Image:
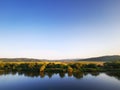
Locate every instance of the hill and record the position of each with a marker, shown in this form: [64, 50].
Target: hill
[21, 60]
[96, 59]
[102, 58]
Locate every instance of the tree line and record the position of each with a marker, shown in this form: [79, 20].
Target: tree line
[66, 68]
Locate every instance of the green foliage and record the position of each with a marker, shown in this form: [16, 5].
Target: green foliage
[112, 65]
[20, 67]
[43, 68]
[58, 67]
[70, 70]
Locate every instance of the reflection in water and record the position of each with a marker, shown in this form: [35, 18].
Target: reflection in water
[42, 74]
[114, 74]
[70, 74]
[92, 73]
[77, 75]
[62, 75]
[50, 74]
[59, 81]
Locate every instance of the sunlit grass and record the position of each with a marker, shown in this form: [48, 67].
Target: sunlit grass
[58, 62]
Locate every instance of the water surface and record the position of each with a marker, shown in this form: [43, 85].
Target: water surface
[62, 81]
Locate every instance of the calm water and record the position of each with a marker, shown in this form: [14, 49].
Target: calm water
[79, 81]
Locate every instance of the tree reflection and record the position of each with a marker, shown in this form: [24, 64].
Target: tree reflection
[50, 74]
[70, 74]
[77, 75]
[62, 75]
[92, 73]
[42, 74]
[114, 74]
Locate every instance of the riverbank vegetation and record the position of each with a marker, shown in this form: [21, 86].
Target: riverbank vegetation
[66, 67]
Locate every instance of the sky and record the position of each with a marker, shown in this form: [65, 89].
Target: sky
[59, 29]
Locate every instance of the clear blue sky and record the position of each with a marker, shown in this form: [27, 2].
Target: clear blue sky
[57, 29]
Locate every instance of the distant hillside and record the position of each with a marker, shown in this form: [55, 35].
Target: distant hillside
[21, 60]
[103, 58]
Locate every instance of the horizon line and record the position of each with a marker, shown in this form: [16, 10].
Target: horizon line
[55, 59]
